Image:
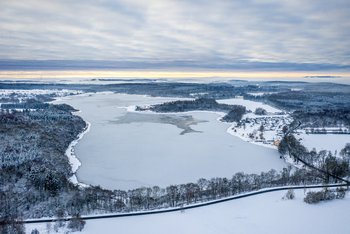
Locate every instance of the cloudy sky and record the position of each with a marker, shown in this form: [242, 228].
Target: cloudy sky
[191, 32]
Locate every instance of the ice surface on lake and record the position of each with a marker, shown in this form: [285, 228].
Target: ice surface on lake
[183, 122]
[146, 153]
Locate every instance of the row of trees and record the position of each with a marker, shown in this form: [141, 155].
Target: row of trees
[215, 188]
[94, 199]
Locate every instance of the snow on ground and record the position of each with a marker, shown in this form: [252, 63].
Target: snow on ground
[58, 92]
[332, 142]
[70, 150]
[273, 125]
[24, 94]
[296, 89]
[73, 160]
[46, 228]
[327, 130]
[249, 129]
[264, 214]
[250, 105]
[257, 94]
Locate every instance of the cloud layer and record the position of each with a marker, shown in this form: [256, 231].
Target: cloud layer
[194, 31]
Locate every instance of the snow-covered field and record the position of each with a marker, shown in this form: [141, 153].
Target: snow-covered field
[332, 142]
[250, 105]
[123, 156]
[263, 214]
[257, 94]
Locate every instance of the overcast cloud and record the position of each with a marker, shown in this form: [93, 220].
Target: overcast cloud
[201, 32]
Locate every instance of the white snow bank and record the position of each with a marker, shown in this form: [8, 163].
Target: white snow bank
[250, 105]
[73, 160]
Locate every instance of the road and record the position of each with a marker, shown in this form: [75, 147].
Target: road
[208, 203]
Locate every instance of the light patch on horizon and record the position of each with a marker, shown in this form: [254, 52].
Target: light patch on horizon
[164, 74]
[205, 32]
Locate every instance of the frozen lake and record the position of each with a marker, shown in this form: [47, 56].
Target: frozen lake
[125, 150]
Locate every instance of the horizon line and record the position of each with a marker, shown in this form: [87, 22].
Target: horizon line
[148, 73]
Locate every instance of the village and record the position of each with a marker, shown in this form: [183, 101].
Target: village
[266, 130]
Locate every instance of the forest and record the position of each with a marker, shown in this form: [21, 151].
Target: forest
[323, 117]
[233, 112]
[313, 100]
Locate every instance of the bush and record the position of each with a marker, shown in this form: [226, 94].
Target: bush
[314, 197]
[35, 231]
[235, 114]
[11, 228]
[340, 193]
[289, 195]
[76, 224]
[260, 111]
[325, 195]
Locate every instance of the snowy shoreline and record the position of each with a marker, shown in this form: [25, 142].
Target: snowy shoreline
[229, 130]
[246, 139]
[73, 160]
